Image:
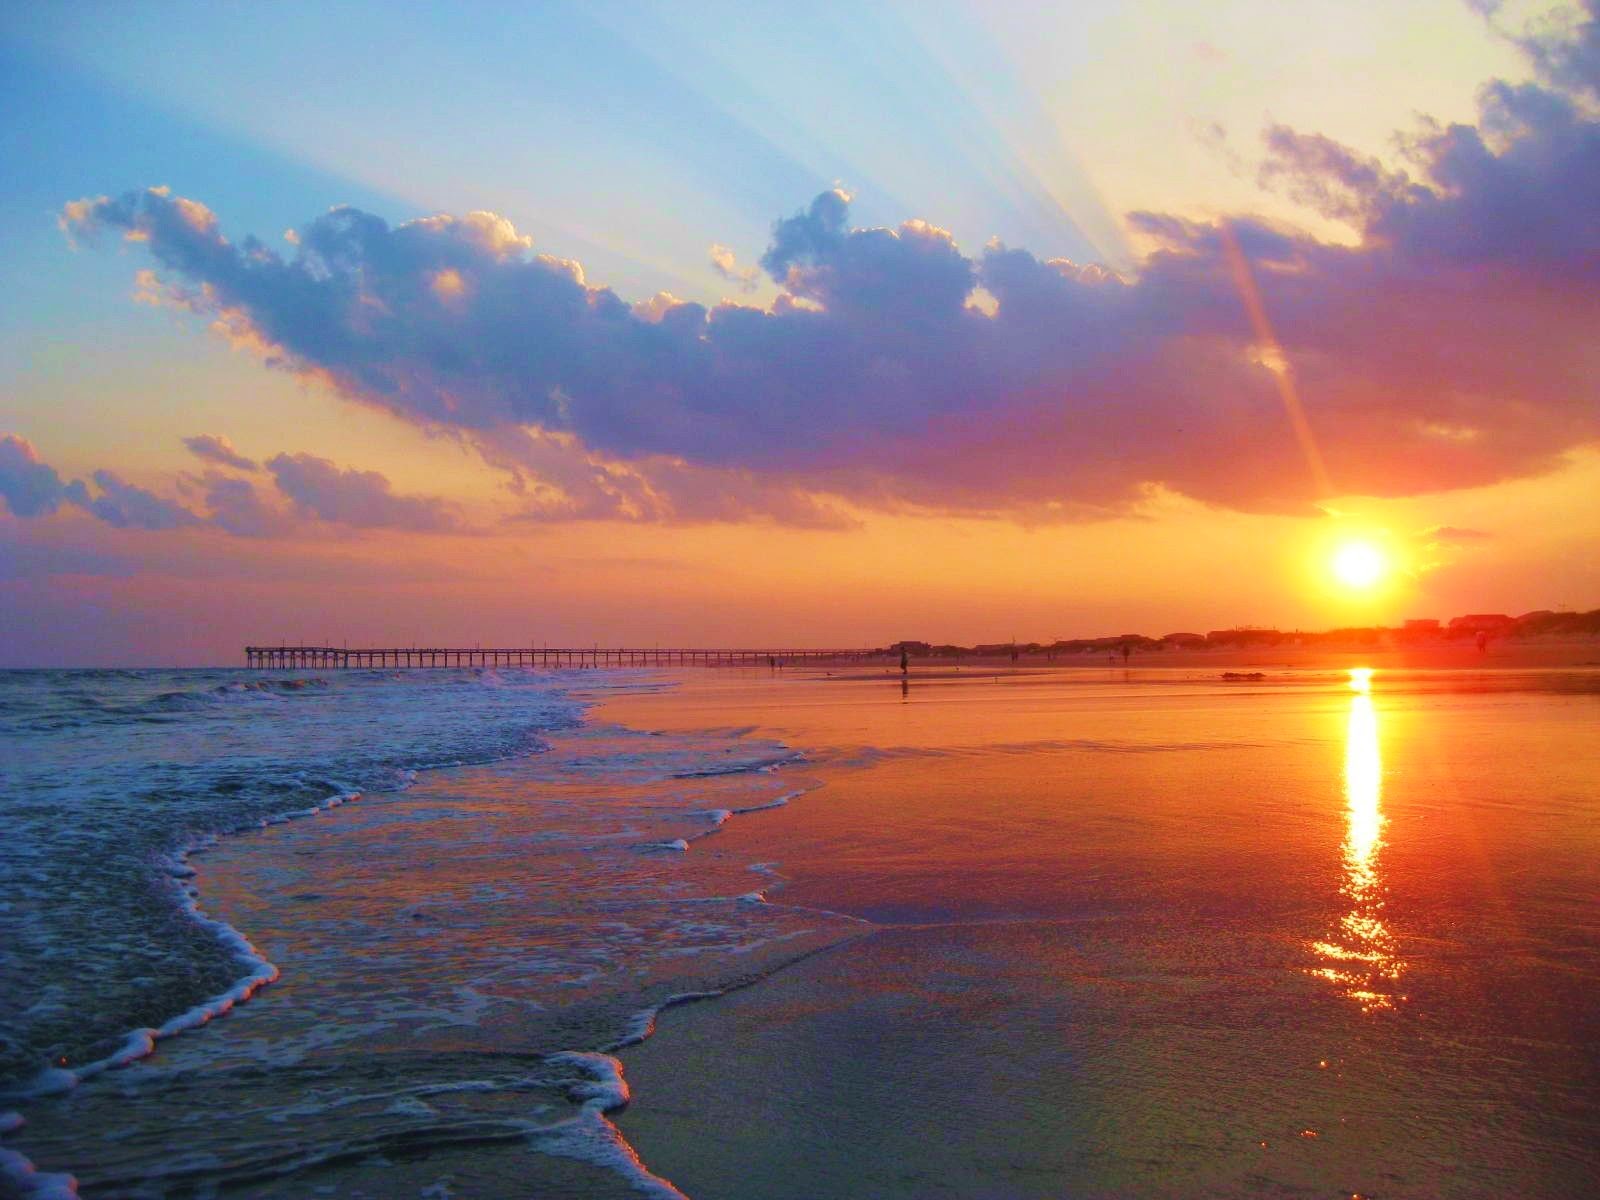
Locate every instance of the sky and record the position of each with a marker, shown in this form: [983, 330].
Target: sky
[752, 324]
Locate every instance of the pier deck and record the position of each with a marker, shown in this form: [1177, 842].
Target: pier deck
[343, 657]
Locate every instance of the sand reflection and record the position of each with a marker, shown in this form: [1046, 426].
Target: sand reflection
[1360, 958]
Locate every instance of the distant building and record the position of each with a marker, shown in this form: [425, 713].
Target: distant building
[1480, 623]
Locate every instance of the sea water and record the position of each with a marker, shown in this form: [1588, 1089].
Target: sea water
[1090, 933]
[450, 969]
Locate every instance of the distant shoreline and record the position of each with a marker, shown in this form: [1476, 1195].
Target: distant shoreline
[1424, 656]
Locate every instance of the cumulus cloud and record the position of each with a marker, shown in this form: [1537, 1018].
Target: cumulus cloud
[1452, 345]
[313, 489]
[570, 482]
[128, 506]
[217, 449]
[361, 499]
[726, 263]
[31, 486]
[1564, 46]
[237, 506]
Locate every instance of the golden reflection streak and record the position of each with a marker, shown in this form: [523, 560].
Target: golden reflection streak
[1361, 961]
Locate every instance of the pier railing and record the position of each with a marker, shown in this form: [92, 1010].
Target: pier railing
[342, 657]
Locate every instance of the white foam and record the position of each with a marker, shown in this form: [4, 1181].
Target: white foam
[605, 1089]
[140, 1043]
[643, 1023]
[590, 1138]
[25, 1179]
[778, 803]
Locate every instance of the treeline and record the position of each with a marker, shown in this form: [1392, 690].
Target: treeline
[1541, 625]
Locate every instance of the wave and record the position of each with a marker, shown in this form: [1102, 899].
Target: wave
[635, 929]
[112, 793]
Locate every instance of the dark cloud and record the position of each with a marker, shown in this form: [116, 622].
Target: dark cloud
[217, 449]
[315, 488]
[1451, 345]
[361, 499]
[236, 506]
[1563, 46]
[30, 486]
[127, 506]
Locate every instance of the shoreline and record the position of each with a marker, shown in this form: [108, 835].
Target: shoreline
[1463, 655]
[585, 1071]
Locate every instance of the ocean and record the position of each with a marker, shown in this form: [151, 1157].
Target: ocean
[1077, 932]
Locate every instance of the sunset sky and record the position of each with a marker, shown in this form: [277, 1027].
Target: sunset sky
[753, 324]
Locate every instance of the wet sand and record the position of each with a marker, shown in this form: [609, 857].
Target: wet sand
[1158, 938]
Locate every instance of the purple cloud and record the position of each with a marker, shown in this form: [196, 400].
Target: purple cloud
[314, 487]
[127, 506]
[1564, 47]
[361, 499]
[31, 486]
[236, 506]
[217, 449]
[1449, 347]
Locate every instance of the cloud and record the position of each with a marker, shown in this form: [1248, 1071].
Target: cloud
[217, 449]
[236, 506]
[127, 506]
[1451, 345]
[1451, 533]
[725, 263]
[1563, 46]
[30, 486]
[361, 499]
[315, 488]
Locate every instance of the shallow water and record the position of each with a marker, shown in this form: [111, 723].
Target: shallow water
[1166, 937]
[455, 957]
[1086, 933]
[107, 775]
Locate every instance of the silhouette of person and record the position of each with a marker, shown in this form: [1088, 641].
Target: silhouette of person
[905, 661]
[1483, 640]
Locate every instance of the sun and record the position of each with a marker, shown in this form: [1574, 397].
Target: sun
[1359, 565]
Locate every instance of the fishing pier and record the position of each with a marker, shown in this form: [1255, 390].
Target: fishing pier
[320, 658]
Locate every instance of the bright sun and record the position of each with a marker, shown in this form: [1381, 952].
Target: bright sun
[1359, 564]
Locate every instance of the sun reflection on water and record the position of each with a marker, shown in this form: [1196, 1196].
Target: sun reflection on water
[1360, 959]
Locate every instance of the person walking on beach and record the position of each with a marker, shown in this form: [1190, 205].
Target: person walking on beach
[905, 661]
